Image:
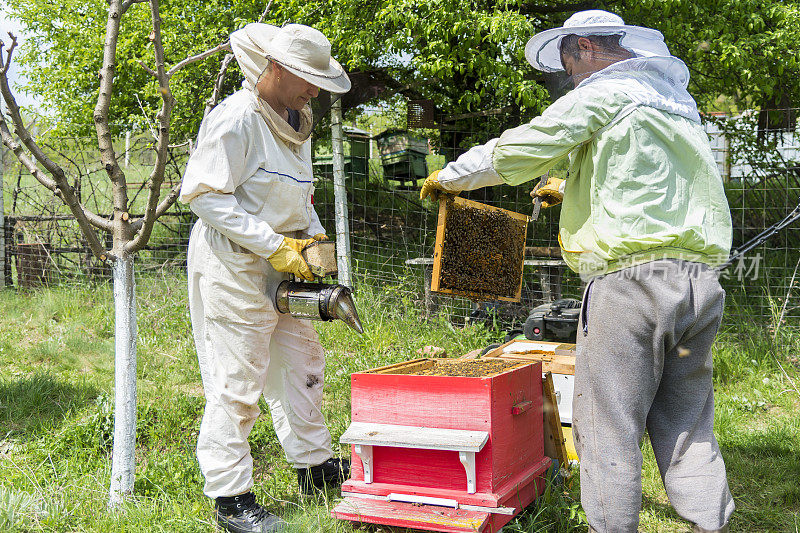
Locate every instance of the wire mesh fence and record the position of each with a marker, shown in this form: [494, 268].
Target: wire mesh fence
[759, 157]
[392, 232]
[42, 241]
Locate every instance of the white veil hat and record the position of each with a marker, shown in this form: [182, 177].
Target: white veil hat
[304, 51]
[543, 49]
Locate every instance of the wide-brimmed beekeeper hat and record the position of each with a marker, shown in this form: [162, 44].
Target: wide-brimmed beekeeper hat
[543, 49]
[302, 50]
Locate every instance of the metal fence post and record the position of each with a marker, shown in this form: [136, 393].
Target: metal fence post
[340, 196]
[127, 148]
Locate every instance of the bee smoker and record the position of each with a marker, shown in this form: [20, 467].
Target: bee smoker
[318, 301]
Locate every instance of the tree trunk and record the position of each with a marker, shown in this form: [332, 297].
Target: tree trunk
[123, 460]
[3, 242]
[129, 236]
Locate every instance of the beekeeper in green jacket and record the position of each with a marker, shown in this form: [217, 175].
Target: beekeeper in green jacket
[644, 220]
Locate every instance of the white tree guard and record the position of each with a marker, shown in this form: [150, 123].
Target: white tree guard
[2, 220]
[123, 462]
[340, 197]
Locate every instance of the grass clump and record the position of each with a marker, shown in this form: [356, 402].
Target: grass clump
[56, 408]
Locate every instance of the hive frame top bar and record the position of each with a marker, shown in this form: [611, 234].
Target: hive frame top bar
[486, 207]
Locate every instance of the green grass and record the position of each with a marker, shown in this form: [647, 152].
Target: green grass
[56, 393]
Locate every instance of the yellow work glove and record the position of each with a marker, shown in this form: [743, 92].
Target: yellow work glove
[431, 187]
[287, 258]
[320, 237]
[297, 244]
[550, 192]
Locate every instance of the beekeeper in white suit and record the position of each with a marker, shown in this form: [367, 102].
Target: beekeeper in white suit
[250, 183]
[644, 220]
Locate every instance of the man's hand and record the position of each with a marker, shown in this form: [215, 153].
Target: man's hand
[551, 192]
[320, 237]
[287, 258]
[431, 187]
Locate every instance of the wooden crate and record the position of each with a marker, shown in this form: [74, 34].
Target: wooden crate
[555, 357]
[559, 360]
[320, 256]
[441, 228]
[497, 418]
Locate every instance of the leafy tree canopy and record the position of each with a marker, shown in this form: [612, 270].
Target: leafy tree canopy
[464, 55]
[63, 54]
[745, 51]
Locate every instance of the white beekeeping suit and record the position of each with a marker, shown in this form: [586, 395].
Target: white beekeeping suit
[250, 182]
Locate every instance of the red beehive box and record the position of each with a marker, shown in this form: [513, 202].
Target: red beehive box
[445, 452]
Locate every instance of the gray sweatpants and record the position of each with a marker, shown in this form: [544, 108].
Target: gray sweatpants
[644, 361]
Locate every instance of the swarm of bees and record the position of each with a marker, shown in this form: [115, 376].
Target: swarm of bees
[482, 251]
[470, 368]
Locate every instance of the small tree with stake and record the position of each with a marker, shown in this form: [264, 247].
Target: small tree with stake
[130, 234]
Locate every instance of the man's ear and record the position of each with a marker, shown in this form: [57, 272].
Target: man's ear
[277, 68]
[585, 44]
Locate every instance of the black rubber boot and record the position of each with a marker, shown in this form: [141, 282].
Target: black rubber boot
[329, 474]
[241, 514]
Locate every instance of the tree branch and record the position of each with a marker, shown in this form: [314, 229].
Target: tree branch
[19, 126]
[162, 142]
[199, 57]
[59, 183]
[266, 10]
[168, 200]
[154, 209]
[162, 208]
[57, 189]
[17, 150]
[108, 156]
[4, 66]
[128, 3]
[148, 69]
[80, 213]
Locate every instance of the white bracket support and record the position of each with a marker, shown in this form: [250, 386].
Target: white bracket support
[468, 460]
[364, 435]
[364, 452]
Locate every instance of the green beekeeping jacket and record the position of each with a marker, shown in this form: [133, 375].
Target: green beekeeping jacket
[642, 185]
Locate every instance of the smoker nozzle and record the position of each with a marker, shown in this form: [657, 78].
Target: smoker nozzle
[346, 311]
